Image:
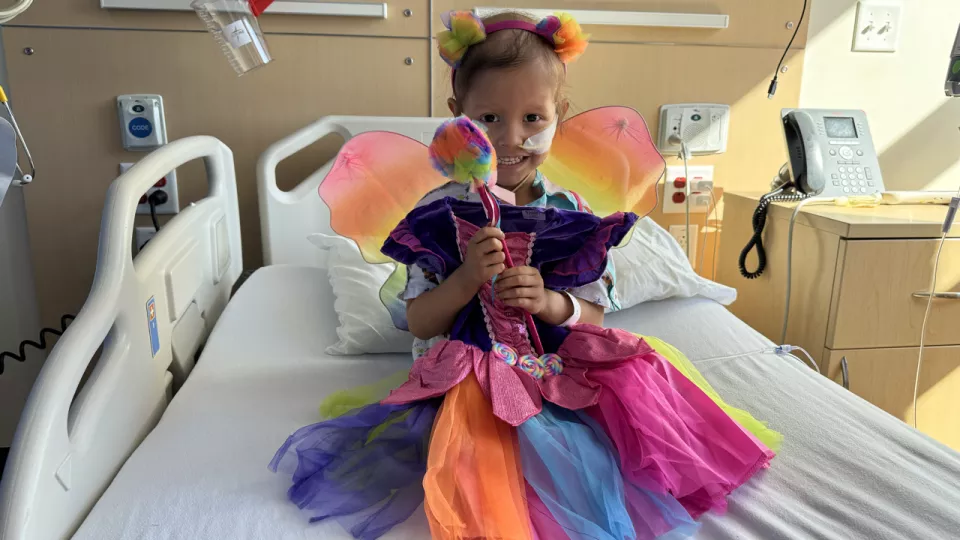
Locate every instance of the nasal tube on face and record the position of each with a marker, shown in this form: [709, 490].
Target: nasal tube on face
[540, 143]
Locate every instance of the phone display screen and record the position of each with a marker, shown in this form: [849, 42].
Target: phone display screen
[954, 75]
[840, 127]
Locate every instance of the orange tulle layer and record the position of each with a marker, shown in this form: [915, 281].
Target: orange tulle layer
[473, 484]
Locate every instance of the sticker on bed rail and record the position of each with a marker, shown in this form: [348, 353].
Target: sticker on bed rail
[152, 326]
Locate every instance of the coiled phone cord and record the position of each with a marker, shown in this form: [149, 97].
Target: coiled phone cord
[759, 222]
[22, 357]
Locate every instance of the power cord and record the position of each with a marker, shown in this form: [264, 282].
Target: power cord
[772, 90]
[947, 225]
[716, 240]
[22, 357]
[793, 222]
[685, 156]
[155, 199]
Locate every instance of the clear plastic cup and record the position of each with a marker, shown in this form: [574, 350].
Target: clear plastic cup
[237, 32]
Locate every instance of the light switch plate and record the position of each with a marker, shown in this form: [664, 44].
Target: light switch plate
[878, 25]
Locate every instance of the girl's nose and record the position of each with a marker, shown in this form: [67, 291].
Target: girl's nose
[511, 136]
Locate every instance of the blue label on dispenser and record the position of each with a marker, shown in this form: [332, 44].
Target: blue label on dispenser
[152, 326]
[140, 128]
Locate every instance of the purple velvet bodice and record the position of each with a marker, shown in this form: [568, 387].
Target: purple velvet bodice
[568, 248]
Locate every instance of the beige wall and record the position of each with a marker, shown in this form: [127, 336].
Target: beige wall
[915, 127]
[85, 57]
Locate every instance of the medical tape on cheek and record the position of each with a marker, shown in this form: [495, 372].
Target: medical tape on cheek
[541, 142]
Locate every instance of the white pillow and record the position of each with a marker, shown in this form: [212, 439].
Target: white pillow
[652, 266]
[365, 325]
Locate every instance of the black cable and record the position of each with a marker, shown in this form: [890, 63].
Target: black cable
[759, 221]
[153, 215]
[22, 357]
[156, 199]
[776, 74]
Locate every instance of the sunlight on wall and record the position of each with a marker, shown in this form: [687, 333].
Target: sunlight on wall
[915, 127]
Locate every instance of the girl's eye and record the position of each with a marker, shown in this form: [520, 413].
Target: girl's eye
[533, 118]
[489, 118]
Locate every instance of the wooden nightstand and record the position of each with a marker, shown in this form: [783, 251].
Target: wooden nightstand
[856, 275]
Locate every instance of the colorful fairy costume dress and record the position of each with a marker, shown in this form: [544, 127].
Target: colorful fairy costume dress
[512, 428]
[600, 437]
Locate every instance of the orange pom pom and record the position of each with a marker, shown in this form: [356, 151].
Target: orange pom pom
[569, 40]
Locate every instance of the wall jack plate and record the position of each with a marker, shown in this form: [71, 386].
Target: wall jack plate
[679, 233]
[169, 184]
[701, 184]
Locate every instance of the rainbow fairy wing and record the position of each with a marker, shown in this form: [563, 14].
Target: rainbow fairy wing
[608, 157]
[377, 178]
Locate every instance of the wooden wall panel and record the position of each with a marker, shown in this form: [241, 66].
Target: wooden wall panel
[65, 101]
[88, 14]
[85, 56]
[752, 23]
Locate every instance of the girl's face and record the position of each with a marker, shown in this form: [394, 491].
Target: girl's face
[513, 104]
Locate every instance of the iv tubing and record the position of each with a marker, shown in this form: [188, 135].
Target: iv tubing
[781, 350]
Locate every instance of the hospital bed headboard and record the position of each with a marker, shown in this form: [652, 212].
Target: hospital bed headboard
[146, 318]
[287, 218]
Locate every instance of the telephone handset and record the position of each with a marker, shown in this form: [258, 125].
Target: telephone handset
[830, 154]
[805, 156]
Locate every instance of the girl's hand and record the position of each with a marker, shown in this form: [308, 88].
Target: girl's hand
[522, 287]
[484, 257]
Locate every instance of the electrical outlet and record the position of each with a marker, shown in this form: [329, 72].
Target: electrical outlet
[142, 235]
[679, 233]
[878, 25]
[701, 184]
[167, 184]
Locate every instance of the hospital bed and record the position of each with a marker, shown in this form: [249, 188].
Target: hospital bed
[116, 454]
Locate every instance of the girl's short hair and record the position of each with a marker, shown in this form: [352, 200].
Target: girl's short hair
[507, 49]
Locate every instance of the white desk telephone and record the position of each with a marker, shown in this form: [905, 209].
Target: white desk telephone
[831, 153]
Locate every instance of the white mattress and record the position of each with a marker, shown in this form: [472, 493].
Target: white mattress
[847, 470]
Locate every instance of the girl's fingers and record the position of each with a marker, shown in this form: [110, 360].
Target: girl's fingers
[486, 233]
[490, 245]
[522, 303]
[510, 280]
[490, 259]
[516, 293]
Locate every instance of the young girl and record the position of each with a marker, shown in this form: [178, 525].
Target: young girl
[510, 82]
[557, 430]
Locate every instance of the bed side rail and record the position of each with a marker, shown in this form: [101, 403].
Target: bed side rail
[287, 218]
[75, 434]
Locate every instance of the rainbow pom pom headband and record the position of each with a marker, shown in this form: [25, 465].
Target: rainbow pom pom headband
[464, 29]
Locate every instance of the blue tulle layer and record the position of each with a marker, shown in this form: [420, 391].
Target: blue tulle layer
[573, 469]
[365, 468]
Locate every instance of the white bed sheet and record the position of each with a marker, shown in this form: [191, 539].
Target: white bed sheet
[847, 470]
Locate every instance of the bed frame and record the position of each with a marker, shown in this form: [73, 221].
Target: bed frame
[105, 385]
[286, 218]
[103, 389]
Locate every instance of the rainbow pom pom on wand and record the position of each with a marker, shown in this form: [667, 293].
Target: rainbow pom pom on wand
[462, 152]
